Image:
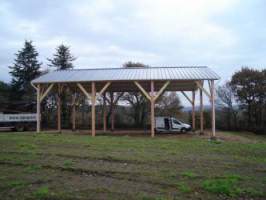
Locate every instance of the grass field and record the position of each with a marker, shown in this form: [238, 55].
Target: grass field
[53, 166]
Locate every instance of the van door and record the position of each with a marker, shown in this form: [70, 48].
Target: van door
[176, 124]
[166, 123]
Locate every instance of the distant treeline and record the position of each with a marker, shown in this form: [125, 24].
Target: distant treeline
[240, 103]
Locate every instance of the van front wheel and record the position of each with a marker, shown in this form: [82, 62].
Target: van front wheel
[183, 130]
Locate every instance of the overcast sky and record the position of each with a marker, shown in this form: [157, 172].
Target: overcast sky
[222, 34]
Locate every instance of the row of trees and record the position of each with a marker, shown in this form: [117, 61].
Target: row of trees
[19, 95]
[242, 101]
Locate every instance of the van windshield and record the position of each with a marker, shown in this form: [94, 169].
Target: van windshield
[176, 121]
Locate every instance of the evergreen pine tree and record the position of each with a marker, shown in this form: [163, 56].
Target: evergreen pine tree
[62, 58]
[26, 67]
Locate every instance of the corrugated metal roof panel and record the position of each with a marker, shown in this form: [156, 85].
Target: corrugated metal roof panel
[124, 74]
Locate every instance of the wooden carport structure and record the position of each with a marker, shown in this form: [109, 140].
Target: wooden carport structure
[151, 81]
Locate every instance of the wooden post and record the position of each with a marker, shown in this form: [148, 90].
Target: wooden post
[112, 111]
[213, 107]
[201, 113]
[59, 109]
[193, 111]
[104, 112]
[38, 109]
[93, 99]
[74, 112]
[152, 109]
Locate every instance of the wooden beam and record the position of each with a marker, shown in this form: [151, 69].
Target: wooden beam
[38, 108]
[118, 97]
[193, 111]
[143, 90]
[112, 111]
[203, 89]
[74, 112]
[201, 114]
[213, 107]
[83, 90]
[33, 86]
[185, 95]
[59, 109]
[104, 88]
[104, 112]
[93, 101]
[152, 109]
[161, 90]
[209, 83]
[46, 92]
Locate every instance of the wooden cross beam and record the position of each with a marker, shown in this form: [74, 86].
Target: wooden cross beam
[104, 88]
[185, 95]
[152, 97]
[203, 89]
[143, 90]
[161, 90]
[83, 90]
[46, 92]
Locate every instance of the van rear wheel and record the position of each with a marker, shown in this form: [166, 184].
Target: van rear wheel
[19, 128]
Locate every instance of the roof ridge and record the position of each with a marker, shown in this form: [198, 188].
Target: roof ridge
[114, 68]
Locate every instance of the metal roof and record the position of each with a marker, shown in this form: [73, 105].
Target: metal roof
[126, 74]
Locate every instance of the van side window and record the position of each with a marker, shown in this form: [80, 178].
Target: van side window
[176, 122]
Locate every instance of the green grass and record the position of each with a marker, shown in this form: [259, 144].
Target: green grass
[67, 166]
[41, 193]
[189, 174]
[68, 163]
[13, 184]
[230, 186]
[183, 187]
[32, 168]
[226, 186]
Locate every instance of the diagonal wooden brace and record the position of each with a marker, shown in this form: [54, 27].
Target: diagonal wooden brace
[203, 89]
[104, 88]
[161, 90]
[185, 95]
[83, 90]
[142, 90]
[46, 92]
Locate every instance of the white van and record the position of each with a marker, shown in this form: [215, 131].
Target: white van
[170, 124]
